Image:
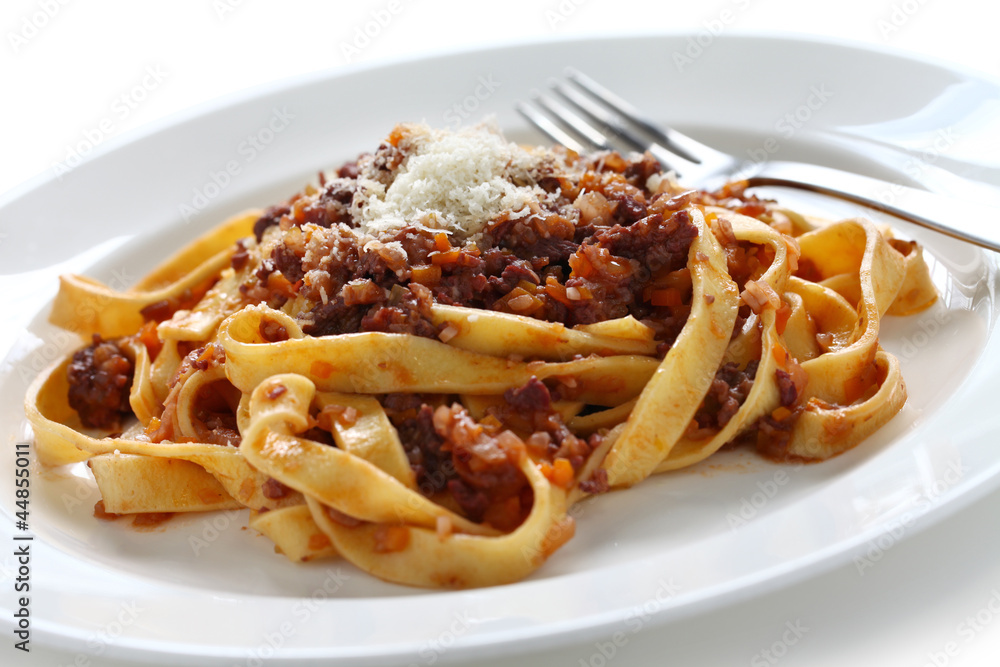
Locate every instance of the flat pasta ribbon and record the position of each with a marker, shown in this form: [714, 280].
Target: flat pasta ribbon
[669, 400]
[88, 306]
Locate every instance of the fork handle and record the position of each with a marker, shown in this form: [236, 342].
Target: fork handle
[960, 219]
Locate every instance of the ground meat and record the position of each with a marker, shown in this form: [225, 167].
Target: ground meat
[331, 206]
[432, 466]
[240, 256]
[616, 264]
[485, 463]
[630, 210]
[288, 263]
[528, 410]
[549, 264]
[532, 397]
[774, 436]
[375, 266]
[786, 387]
[405, 310]
[215, 408]
[552, 250]
[597, 483]
[542, 239]
[656, 244]
[409, 314]
[727, 393]
[158, 311]
[397, 403]
[638, 171]
[272, 331]
[516, 272]
[348, 170]
[386, 160]
[203, 358]
[465, 287]
[164, 309]
[220, 429]
[272, 215]
[473, 502]
[334, 318]
[450, 452]
[100, 377]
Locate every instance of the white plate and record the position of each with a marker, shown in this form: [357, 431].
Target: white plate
[694, 540]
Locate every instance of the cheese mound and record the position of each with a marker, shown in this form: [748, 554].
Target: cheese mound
[455, 181]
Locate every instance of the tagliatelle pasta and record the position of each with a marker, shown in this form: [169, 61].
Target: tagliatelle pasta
[422, 362]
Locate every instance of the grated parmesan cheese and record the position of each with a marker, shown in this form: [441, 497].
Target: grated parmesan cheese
[453, 181]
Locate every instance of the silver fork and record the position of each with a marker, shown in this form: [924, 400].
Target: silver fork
[585, 113]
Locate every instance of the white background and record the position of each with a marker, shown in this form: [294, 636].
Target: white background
[64, 69]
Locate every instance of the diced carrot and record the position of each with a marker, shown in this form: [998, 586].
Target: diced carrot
[562, 473]
[580, 265]
[530, 288]
[490, 422]
[449, 257]
[555, 290]
[781, 413]
[780, 354]
[395, 136]
[781, 317]
[149, 338]
[441, 242]
[670, 296]
[276, 282]
[152, 426]
[426, 275]
[679, 279]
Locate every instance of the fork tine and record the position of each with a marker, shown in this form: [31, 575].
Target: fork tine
[609, 119]
[618, 104]
[549, 128]
[573, 120]
[565, 126]
[620, 128]
[673, 140]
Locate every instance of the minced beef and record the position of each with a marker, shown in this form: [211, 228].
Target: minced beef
[589, 253]
[728, 392]
[404, 310]
[473, 462]
[288, 263]
[528, 410]
[272, 215]
[409, 314]
[334, 318]
[100, 378]
[415, 425]
[489, 484]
